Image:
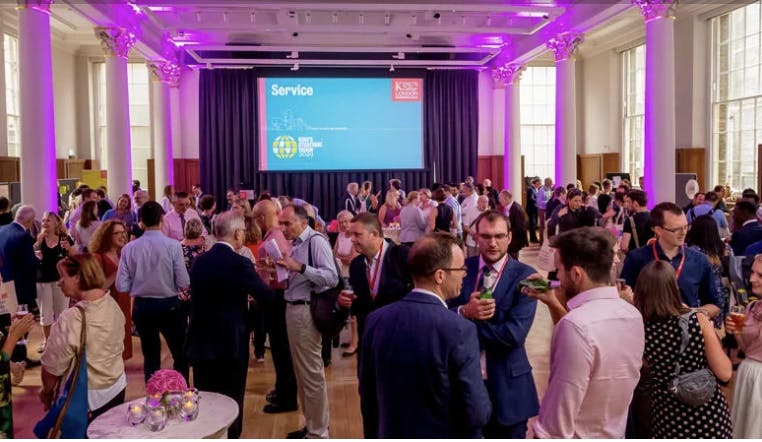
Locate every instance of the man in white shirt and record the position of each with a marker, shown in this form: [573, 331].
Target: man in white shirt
[470, 214]
[469, 197]
[174, 221]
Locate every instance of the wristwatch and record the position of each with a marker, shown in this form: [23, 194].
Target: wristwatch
[304, 267]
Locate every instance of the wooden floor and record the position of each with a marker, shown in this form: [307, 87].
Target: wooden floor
[345, 421]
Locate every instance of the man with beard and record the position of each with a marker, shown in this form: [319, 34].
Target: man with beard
[597, 347]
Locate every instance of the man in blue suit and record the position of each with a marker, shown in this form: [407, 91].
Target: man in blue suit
[503, 324]
[218, 335]
[18, 264]
[419, 364]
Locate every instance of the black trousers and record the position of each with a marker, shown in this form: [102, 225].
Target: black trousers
[257, 326]
[161, 315]
[224, 377]
[495, 430]
[118, 399]
[532, 226]
[275, 323]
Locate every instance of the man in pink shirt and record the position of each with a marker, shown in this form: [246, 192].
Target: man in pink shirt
[597, 346]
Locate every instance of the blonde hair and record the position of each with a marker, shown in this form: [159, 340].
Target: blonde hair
[86, 267]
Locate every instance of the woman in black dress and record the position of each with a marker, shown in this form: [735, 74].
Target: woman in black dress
[658, 299]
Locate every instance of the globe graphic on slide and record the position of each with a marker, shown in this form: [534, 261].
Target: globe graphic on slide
[284, 147]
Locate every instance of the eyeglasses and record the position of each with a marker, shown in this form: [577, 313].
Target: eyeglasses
[676, 229]
[498, 237]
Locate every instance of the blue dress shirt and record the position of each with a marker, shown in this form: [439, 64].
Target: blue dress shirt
[696, 282]
[152, 266]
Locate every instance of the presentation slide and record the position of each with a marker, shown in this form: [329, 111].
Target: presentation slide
[308, 124]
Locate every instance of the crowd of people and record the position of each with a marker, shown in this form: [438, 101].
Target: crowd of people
[439, 304]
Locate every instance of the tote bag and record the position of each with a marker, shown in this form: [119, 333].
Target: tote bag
[67, 417]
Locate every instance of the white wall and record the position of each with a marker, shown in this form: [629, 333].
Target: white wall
[600, 114]
[486, 135]
[65, 94]
[189, 117]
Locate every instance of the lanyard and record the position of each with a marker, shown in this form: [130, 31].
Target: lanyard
[499, 274]
[682, 259]
[372, 281]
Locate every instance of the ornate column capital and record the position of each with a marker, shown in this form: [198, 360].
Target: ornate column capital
[509, 73]
[656, 9]
[116, 42]
[565, 44]
[39, 5]
[165, 72]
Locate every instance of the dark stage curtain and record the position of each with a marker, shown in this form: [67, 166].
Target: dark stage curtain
[229, 156]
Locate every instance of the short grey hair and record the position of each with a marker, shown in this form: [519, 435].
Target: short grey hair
[25, 214]
[193, 228]
[226, 223]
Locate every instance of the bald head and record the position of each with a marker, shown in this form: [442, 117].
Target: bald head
[266, 214]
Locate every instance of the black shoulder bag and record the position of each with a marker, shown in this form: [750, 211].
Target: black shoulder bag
[329, 319]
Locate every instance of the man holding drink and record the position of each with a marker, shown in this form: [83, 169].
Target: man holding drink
[491, 299]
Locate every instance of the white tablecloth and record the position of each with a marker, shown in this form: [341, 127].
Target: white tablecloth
[216, 413]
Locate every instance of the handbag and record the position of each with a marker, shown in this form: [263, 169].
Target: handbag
[697, 387]
[328, 317]
[67, 417]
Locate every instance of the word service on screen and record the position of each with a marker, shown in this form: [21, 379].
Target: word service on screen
[308, 124]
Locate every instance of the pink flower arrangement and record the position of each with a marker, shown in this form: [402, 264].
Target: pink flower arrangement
[164, 381]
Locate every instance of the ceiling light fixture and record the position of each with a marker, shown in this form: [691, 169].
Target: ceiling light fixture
[391, 68]
[489, 20]
[361, 19]
[387, 19]
[335, 18]
[225, 17]
[308, 18]
[198, 16]
[295, 67]
[414, 20]
[294, 54]
[399, 56]
[253, 17]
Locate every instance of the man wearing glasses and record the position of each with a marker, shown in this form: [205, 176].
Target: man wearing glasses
[502, 323]
[419, 364]
[694, 273]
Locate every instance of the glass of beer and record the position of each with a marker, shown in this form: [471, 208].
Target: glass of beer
[22, 311]
[738, 316]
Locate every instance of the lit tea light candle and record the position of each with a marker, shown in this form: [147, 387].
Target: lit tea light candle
[137, 408]
[188, 405]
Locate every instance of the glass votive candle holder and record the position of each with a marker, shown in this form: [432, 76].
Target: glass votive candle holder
[156, 417]
[191, 394]
[189, 410]
[136, 414]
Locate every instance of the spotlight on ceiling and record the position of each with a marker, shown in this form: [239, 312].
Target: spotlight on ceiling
[399, 56]
[293, 54]
[295, 67]
[387, 19]
[253, 17]
[391, 68]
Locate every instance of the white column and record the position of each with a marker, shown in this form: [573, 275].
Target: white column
[38, 138]
[659, 165]
[116, 43]
[498, 131]
[164, 74]
[564, 47]
[510, 75]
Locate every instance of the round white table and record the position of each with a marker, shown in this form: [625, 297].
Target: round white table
[216, 413]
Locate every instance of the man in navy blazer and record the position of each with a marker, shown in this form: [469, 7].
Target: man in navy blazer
[746, 228]
[419, 365]
[375, 287]
[17, 260]
[218, 336]
[503, 324]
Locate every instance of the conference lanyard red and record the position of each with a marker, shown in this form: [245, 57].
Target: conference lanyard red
[372, 281]
[682, 259]
[499, 273]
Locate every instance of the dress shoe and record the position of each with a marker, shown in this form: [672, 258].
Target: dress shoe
[272, 396]
[274, 408]
[298, 434]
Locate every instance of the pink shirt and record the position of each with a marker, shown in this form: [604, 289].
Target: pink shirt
[751, 335]
[173, 226]
[595, 359]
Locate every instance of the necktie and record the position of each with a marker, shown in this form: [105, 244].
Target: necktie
[182, 222]
[485, 270]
